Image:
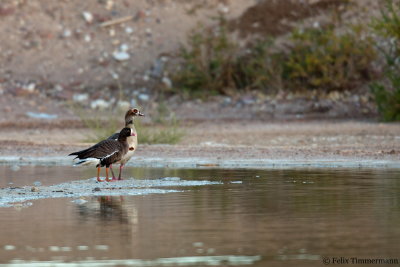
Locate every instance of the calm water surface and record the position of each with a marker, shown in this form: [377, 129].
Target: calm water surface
[265, 217]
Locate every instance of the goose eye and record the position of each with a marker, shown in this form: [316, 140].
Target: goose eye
[135, 110]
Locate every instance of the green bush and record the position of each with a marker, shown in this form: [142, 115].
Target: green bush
[207, 63]
[387, 93]
[212, 63]
[325, 60]
[259, 68]
[317, 59]
[387, 98]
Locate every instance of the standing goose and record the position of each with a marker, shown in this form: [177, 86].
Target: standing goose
[105, 152]
[130, 115]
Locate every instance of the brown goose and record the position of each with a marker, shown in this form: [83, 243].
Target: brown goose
[130, 115]
[105, 153]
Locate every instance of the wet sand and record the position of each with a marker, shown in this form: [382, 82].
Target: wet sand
[80, 189]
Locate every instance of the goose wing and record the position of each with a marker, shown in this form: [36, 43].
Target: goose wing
[111, 158]
[99, 150]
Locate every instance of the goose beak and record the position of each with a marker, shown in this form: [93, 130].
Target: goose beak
[140, 114]
[133, 134]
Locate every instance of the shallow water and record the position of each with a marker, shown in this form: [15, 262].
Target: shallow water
[254, 217]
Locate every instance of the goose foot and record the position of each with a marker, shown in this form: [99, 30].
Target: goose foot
[108, 179]
[113, 175]
[120, 172]
[98, 175]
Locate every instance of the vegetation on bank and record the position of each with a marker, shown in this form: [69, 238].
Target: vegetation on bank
[102, 124]
[315, 59]
[322, 59]
[387, 92]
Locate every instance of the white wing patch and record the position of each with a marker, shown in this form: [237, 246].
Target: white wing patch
[109, 155]
[88, 161]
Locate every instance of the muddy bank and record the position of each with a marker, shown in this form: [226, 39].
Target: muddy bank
[228, 144]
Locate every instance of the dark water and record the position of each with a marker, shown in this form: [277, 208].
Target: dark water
[262, 217]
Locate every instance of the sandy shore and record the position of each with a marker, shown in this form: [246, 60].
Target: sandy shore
[347, 143]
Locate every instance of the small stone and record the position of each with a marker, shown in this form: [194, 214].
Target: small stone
[167, 81]
[157, 68]
[334, 95]
[15, 168]
[66, 33]
[129, 30]
[148, 32]
[87, 16]
[9, 247]
[80, 97]
[54, 248]
[58, 88]
[29, 87]
[123, 47]
[111, 32]
[247, 100]
[114, 75]
[121, 55]
[144, 97]
[46, 116]
[96, 189]
[223, 9]
[79, 201]
[227, 100]
[133, 102]
[99, 104]
[197, 244]
[34, 189]
[124, 105]
[87, 38]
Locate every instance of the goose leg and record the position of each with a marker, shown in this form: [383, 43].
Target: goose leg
[120, 171]
[112, 172]
[98, 175]
[107, 178]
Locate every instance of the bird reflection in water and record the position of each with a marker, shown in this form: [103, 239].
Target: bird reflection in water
[109, 209]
